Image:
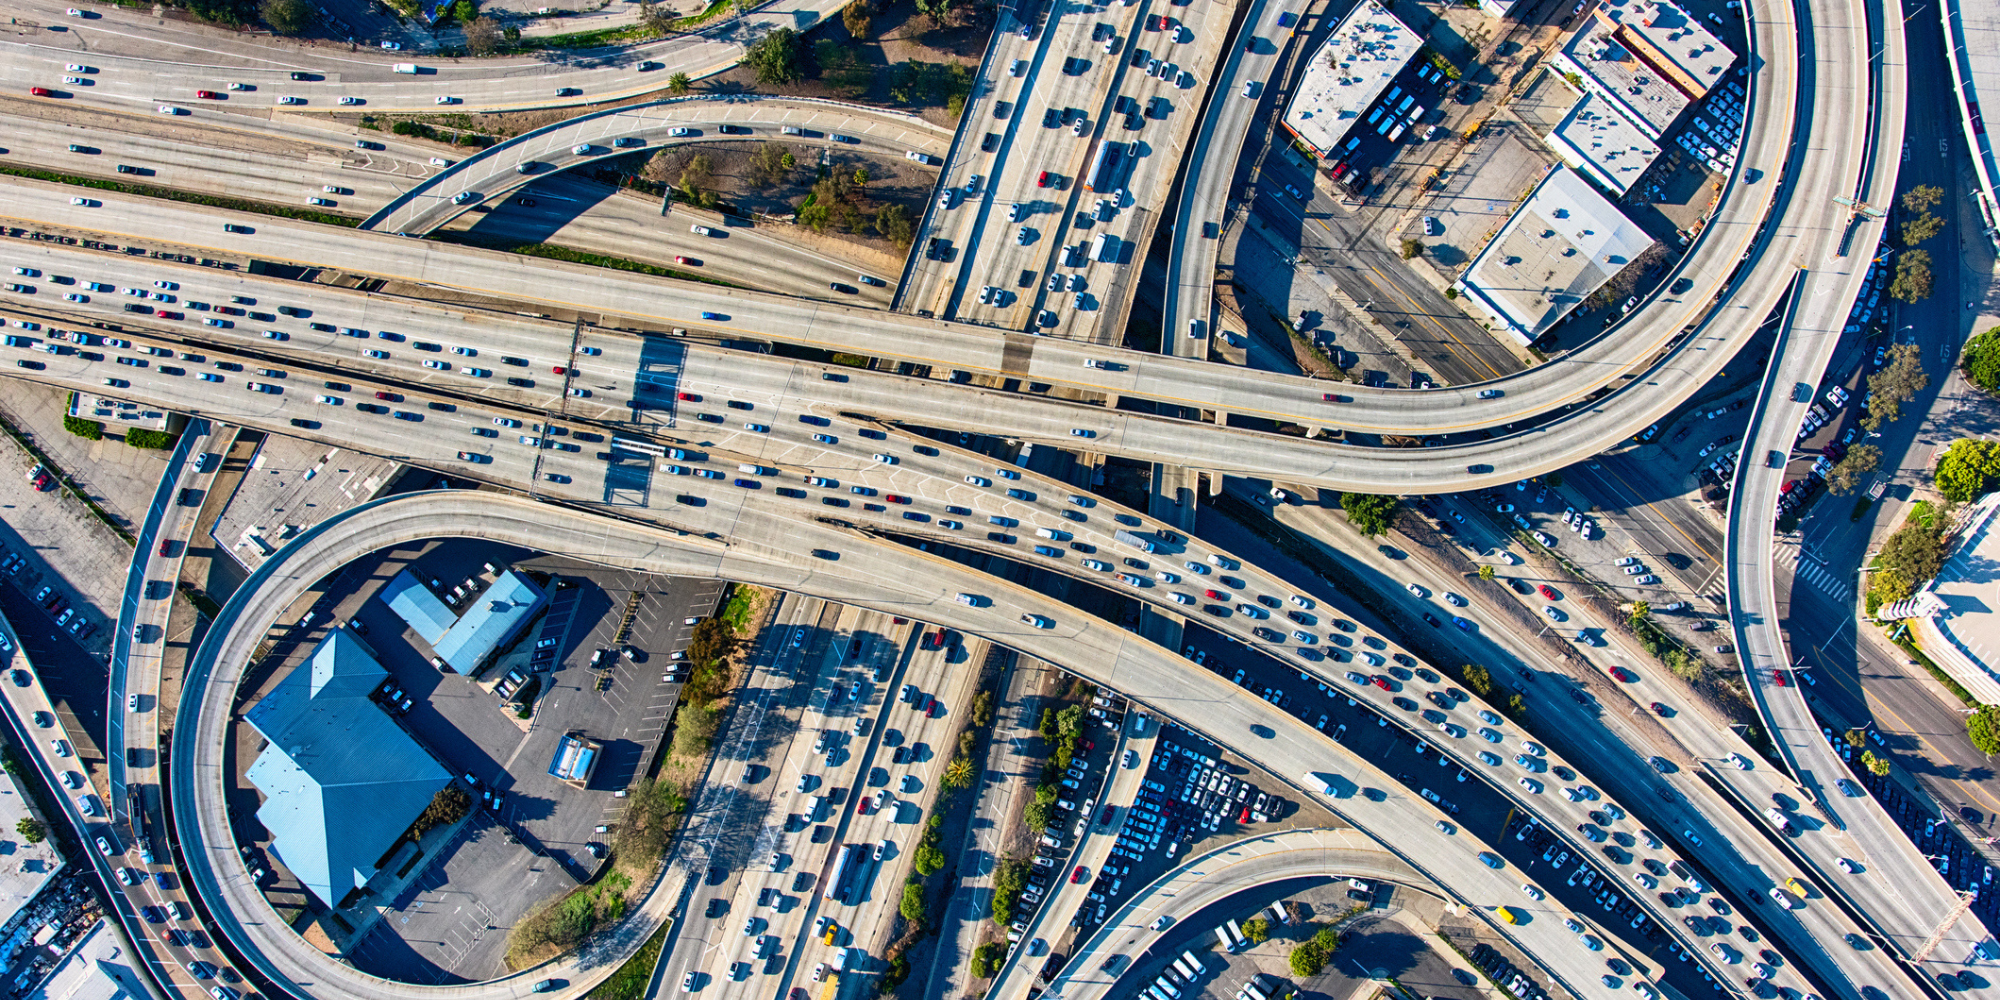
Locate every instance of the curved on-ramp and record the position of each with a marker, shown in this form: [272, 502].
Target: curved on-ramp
[910, 583]
[491, 175]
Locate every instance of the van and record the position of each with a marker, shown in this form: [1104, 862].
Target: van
[1506, 914]
[756, 470]
[815, 808]
[1104, 248]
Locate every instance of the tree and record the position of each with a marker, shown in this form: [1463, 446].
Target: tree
[694, 727]
[1307, 959]
[1036, 817]
[893, 223]
[89, 430]
[289, 17]
[769, 162]
[31, 830]
[775, 57]
[464, 11]
[1922, 197]
[482, 36]
[857, 17]
[912, 907]
[679, 85]
[1412, 248]
[1981, 360]
[958, 774]
[1855, 739]
[1902, 377]
[1913, 276]
[1369, 513]
[1486, 573]
[1257, 929]
[656, 19]
[1966, 470]
[1877, 766]
[861, 176]
[937, 10]
[1983, 728]
[1478, 679]
[929, 859]
[1640, 611]
[1921, 228]
[1913, 554]
[695, 179]
[1852, 468]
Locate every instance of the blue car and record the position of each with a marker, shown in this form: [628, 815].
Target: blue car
[865, 491]
[1461, 623]
[749, 484]
[710, 315]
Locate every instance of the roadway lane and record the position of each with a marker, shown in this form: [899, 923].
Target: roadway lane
[145, 60]
[737, 513]
[1211, 174]
[1833, 260]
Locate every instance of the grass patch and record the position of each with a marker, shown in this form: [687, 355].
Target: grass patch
[643, 830]
[140, 437]
[185, 197]
[629, 982]
[742, 600]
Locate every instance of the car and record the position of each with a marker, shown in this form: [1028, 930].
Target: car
[1532, 786]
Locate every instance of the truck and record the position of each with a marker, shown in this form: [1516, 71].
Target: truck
[1106, 167]
[1104, 249]
[1134, 539]
[756, 470]
[841, 882]
[406, 67]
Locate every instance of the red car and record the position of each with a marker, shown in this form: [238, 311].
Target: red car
[165, 545]
[1244, 816]
[688, 261]
[1040, 182]
[1618, 673]
[1380, 681]
[866, 801]
[1213, 595]
[379, 394]
[688, 396]
[1079, 874]
[44, 92]
[1659, 709]
[558, 370]
[208, 95]
[1778, 678]
[1547, 593]
[894, 498]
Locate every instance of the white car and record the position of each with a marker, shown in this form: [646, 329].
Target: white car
[1742, 763]
[168, 109]
[441, 99]
[291, 100]
[1531, 891]
[349, 100]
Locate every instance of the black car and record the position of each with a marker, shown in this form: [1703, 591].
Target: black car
[1431, 620]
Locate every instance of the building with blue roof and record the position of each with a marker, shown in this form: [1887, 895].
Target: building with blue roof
[341, 780]
[463, 642]
[418, 607]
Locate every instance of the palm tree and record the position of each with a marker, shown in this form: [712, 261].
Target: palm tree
[678, 84]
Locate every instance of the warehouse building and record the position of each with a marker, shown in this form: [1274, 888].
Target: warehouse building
[341, 780]
[1649, 59]
[1562, 244]
[461, 642]
[1347, 74]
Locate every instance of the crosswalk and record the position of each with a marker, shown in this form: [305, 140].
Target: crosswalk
[1813, 573]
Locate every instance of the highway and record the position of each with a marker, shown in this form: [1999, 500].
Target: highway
[1210, 174]
[885, 580]
[1833, 260]
[624, 298]
[732, 512]
[147, 60]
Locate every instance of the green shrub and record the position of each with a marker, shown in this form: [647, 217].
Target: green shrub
[140, 437]
[912, 906]
[89, 430]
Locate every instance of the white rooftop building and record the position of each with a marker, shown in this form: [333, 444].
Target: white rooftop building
[1649, 58]
[1561, 245]
[1348, 73]
[1599, 142]
[98, 967]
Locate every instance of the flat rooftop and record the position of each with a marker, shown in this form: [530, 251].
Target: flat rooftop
[1348, 73]
[1967, 592]
[97, 968]
[1598, 141]
[24, 867]
[1563, 243]
[1650, 58]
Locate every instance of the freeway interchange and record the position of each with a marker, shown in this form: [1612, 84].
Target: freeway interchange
[658, 362]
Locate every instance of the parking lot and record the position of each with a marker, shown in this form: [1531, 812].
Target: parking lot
[532, 841]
